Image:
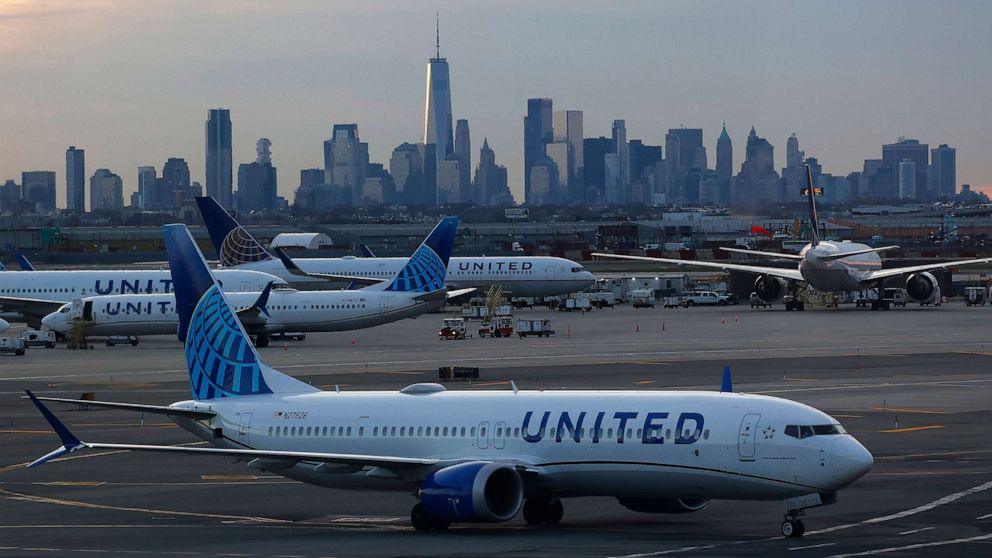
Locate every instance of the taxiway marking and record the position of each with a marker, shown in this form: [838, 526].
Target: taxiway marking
[920, 530]
[912, 429]
[794, 548]
[917, 546]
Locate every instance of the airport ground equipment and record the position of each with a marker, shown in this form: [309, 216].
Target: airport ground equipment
[705, 298]
[38, 338]
[539, 328]
[642, 298]
[757, 301]
[452, 329]
[975, 296]
[497, 326]
[115, 340]
[602, 299]
[9, 344]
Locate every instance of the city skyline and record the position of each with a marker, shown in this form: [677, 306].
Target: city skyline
[129, 107]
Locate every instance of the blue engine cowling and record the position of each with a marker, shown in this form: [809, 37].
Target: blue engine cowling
[477, 491]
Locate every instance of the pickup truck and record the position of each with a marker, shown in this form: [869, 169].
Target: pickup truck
[706, 298]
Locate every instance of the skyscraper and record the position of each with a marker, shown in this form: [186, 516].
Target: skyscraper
[346, 160]
[437, 112]
[568, 129]
[943, 161]
[758, 180]
[907, 179]
[538, 131]
[38, 190]
[106, 191]
[146, 187]
[594, 170]
[257, 181]
[724, 155]
[681, 151]
[75, 179]
[407, 169]
[490, 179]
[618, 166]
[220, 165]
[463, 150]
[918, 153]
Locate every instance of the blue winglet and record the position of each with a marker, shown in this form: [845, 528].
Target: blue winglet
[727, 386]
[3, 267]
[367, 252]
[263, 299]
[24, 263]
[70, 442]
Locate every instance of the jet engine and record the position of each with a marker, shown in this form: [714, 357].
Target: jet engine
[921, 286]
[4, 325]
[476, 491]
[664, 505]
[770, 289]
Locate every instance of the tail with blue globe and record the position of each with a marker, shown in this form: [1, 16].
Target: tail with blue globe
[233, 243]
[427, 268]
[221, 359]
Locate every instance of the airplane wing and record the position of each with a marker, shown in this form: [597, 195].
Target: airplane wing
[897, 271]
[785, 273]
[295, 270]
[30, 306]
[71, 443]
[459, 292]
[761, 253]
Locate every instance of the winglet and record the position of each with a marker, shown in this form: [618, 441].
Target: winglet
[70, 442]
[288, 262]
[263, 299]
[727, 386]
[24, 263]
[367, 252]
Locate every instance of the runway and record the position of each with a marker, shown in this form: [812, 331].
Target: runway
[912, 385]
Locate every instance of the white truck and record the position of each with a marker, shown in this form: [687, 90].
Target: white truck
[579, 302]
[710, 298]
[13, 345]
[540, 328]
[603, 299]
[38, 338]
[642, 298]
[975, 296]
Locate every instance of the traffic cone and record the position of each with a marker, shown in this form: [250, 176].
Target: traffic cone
[285, 346]
[722, 321]
[354, 342]
[737, 318]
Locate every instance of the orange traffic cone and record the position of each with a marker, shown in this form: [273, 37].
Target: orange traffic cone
[722, 321]
[285, 346]
[354, 342]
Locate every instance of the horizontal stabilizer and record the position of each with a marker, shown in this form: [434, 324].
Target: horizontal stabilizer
[761, 253]
[833, 257]
[150, 409]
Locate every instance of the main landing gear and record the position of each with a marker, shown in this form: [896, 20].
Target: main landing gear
[543, 511]
[422, 521]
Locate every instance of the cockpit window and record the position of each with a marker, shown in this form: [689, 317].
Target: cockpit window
[578, 269]
[802, 431]
[64, 310]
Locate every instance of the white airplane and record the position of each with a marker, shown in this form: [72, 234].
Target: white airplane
[483, 456]
[36, 294]
[826, 266]
[4, 325]
[519, 275]
[418, 288]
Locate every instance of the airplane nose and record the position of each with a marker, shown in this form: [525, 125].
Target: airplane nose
[850, 459]
[4, 325]
[51, 322]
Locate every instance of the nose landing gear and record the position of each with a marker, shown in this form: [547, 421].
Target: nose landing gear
[793, 527]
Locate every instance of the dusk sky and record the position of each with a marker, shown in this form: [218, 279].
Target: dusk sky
[131, 81]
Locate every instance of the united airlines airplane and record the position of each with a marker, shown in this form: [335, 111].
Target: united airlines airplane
[519, 276]
[278, 310]
[36, 294]
[485, 456]
[826, 266]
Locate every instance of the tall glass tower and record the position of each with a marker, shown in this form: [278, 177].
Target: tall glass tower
[219, 164]
[437, 113]
[75, 181]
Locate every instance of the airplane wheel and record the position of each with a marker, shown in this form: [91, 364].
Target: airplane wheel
[793, 528]
[554, 513]
[540, 512]
[419, 518]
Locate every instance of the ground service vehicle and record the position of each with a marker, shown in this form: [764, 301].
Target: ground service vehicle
[38, 338]
[540, 328]
[642, 298]
[115, 340]
[710, 298]
[975, 296]
[498, 326]
[13, 345]
[452, 328]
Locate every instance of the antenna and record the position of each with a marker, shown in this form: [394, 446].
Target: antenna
[437, 31]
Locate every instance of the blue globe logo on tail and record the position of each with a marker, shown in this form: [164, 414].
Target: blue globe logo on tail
[427, 268]
[221, 360]
[240, 247]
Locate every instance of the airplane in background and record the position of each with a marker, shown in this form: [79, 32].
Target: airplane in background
[32, 295]
[826, 266]
[22, 261]
[485, 456]
[418, 288]
[518, 275]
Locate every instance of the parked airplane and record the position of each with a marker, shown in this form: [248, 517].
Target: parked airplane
[35, 294]
[418, 288]
[519, 275]
[825, 265]
[22, 261]
[483, 456]
[4, 325]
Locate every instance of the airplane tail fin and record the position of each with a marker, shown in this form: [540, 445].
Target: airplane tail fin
[427, 268]
[812, 191]
[219, 354]
[24, 263]
[233, 243]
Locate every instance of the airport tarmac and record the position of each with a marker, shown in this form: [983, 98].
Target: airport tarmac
[911, 384]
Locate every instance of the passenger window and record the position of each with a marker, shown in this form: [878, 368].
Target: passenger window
[706, 434]
[392, 431]
[472, 432]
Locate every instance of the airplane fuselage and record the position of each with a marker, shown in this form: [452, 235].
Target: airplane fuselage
[609, 443]
[519, 276]
[843, 274]
[288, 310]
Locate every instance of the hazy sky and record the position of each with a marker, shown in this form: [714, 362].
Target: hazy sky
[131, 81]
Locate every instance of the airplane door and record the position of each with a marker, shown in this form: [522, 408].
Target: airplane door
[483, 438]
[384, 304]
[244, 429]
[747, 437]
[88, 311]
[500, 435]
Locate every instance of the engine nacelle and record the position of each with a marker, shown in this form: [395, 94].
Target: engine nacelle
[770, 289]
[921, 286]
[664, 505]
[4, 325]
[477, 491]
